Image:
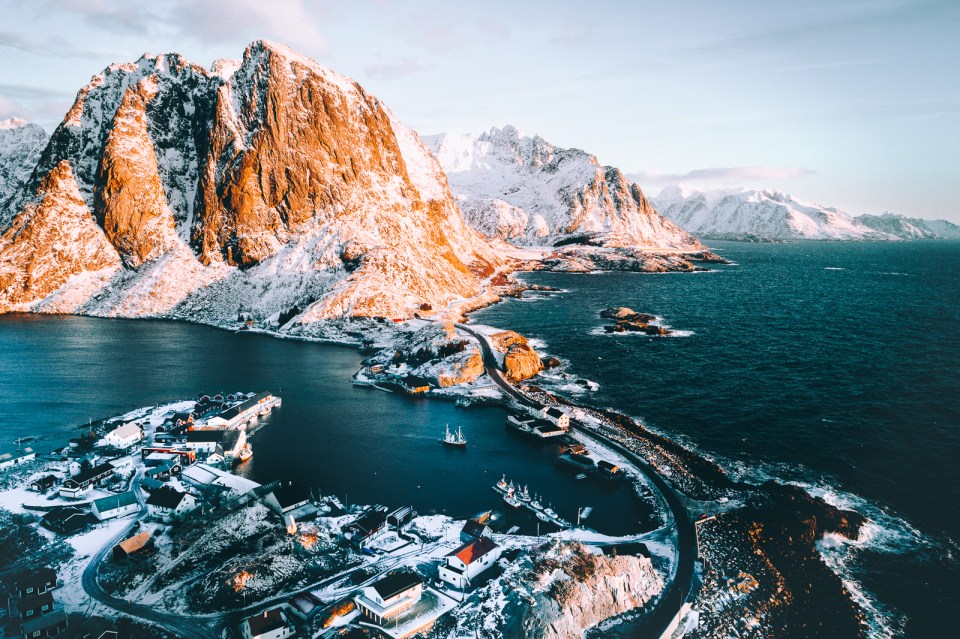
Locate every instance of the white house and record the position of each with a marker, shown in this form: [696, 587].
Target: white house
[468, 561]
[557, 416]
[270, 624]
[115, 506]
[84, 481]
[390, 596]
[230, 442]
[169, 503]
[124, 437]
[17, 457]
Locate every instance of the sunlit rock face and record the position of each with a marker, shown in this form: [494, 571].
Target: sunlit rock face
[259, 185]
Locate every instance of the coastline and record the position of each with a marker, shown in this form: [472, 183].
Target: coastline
[705, 479]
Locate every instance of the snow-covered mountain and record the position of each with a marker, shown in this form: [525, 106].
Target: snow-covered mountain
[767, 214]
[20, 147]
[525, 190]
[263, 185]
[911, 228]
[771, 215]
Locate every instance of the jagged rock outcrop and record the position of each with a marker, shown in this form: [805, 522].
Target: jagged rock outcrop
[21, 144]
[263, 185]
[520, 361]
[526, 190]
[130, 202]
[54, 240]
[558, 592]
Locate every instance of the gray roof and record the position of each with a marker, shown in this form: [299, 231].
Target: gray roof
[115, 501]
[56, 617]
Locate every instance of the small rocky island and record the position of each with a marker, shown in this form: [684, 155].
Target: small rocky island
[627, 320]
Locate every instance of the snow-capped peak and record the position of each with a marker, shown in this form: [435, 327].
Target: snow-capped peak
[13, 123]
[524, 189]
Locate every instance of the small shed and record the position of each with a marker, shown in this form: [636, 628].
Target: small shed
[137, 544]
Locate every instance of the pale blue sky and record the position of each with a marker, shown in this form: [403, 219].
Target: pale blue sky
[851, 104]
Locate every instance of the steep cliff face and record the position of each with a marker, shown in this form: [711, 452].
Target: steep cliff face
[526, 190]
[55, 240]
[21, 144]
[558, 593]
[264, 185]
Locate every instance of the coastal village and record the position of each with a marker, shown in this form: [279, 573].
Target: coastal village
[150, 510]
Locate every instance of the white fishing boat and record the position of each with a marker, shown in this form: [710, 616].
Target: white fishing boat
[453, 439]
[502, 484]
[511, 498]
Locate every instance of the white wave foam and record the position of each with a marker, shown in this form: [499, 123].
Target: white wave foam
[833, 268]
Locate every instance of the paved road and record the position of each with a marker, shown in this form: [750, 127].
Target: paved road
[181, 626]
[678, 590]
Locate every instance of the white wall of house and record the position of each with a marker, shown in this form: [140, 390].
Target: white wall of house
[114, 512]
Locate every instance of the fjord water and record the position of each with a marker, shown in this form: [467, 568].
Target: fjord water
[361, 444]
[833, 364]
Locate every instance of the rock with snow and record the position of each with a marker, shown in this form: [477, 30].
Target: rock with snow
[525, 190]
[20, 146]
[557, 593]
[764, 215]
[268, 184]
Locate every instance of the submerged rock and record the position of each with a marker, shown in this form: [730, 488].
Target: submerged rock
[627, 320]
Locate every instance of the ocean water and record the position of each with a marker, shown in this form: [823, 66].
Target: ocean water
[364, 445]
[834, 365]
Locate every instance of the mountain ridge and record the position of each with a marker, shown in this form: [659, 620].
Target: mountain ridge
[523, 189]
[768, 214]
[214, 185]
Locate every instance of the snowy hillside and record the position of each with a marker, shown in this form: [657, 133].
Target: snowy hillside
[20, 147]
[767, 214]
[525, 190]
[911, 228]
[260, 186]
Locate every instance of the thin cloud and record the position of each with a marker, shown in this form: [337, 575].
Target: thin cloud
[295, 22]
[395, 69]
[51, 47]
[736, 175]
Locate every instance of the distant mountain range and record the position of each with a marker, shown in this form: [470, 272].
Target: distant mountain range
[526, 190]
[771, 215]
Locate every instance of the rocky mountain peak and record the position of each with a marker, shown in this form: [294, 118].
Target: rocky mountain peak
[268, 169]
[526, 190]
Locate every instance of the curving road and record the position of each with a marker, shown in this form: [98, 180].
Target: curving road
[678, 590]
[189, 628]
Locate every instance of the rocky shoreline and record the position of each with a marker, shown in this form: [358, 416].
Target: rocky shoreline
[761, 547]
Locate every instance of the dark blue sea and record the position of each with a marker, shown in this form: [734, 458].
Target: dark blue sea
[835, 365]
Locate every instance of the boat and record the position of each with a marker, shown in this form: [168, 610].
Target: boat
[542, 517]
[502, 484]
[511, 498]
[265, 410]
[549, 512]
[524, 495]
[245, 453]
[453, 439]
[535, 503]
